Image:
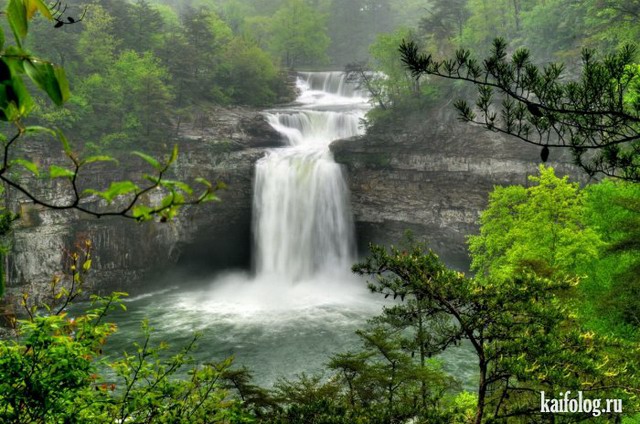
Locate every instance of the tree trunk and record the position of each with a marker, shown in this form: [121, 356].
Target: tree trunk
[482, 392]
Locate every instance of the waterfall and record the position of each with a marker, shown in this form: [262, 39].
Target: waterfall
[302, 220]
[329, 82]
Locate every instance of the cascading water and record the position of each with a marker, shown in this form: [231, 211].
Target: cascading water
[302, 220]
[301, 304]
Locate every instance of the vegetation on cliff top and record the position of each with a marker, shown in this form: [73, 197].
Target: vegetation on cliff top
[552, 259]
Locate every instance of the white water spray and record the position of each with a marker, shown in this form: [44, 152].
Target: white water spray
[302, 220]
[303, 304]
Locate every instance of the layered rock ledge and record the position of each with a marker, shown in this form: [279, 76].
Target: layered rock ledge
[431, 174]
[211, 236]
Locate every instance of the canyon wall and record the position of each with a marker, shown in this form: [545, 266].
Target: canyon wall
[429, 173]
[125, 253]
[425, 172]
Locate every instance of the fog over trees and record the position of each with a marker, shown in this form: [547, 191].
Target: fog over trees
[550, 302]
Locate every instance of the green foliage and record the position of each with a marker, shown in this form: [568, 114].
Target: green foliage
[394, 82]
[444, 23]
[612, 23]
[611, 291]
[555, 229]
[48, 374]
[392, 89]
[521, 328]
[299, 34]
[589, 116]
[55, 370]
[539, 228]
[154, 67]
[556, 29]
[16, 102]
[249, 76]
[96, 57]
[139, 102]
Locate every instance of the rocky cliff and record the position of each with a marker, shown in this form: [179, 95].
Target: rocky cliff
[430, 173]
[211, 236]
[426, 172]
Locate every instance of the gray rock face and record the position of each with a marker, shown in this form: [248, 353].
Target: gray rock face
[431, 174]
[428, 173]
[211, 236]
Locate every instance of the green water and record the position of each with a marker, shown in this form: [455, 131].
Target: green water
[277, 330]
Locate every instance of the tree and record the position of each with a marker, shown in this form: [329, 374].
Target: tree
[444, 22]
[147, 26]
[248, 75]
[394, 80]
[99, 25]
[541, 228]
[613, 210]
[121, 198]
[614, 23]
[490, 19]
[384, 76]
[592, 116]
[55, 370]
[299, 34]
[557, 30]
[524, 336]
[130, 100]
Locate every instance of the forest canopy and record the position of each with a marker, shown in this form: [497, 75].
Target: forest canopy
[552, 303]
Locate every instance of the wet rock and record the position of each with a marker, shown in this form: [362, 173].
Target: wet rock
[260, 133]
[430, 173]
[211, 236]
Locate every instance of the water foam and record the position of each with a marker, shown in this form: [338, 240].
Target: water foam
[302, 219]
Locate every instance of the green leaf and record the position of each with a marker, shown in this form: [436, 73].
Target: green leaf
[30, 166]
[174, 154]
[203, 181]
[17, 17]
[209, 196]
[38, 129]
[25, 102]
[14, 56]
[142, 212]
[65, 143]
[153, 178]
[119, 188]
[32, 6]
[167, 201]
[63, 83]
[1, 40]
[177, 184]
[50, 79]
[97, 158]
[15, 99]
[150, 160]
[60, 172]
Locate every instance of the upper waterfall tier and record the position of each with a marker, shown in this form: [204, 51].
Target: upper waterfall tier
[328, 89]
[330, 82]
[319, 128]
